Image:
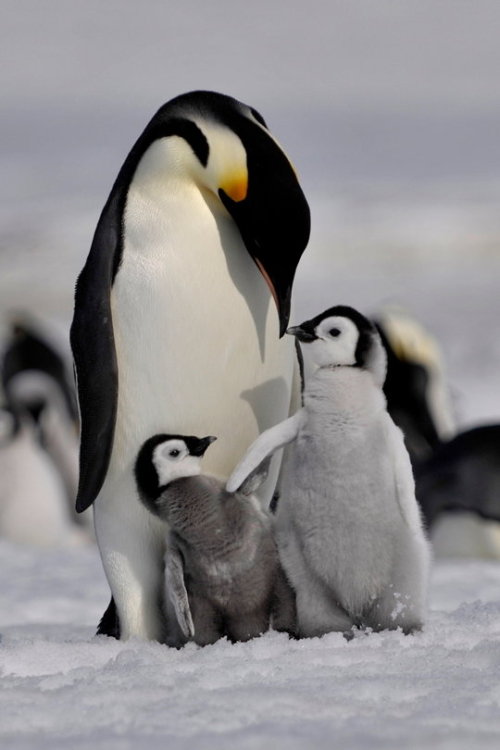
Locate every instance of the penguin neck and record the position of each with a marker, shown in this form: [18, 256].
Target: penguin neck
[191, 507]
[347, 390]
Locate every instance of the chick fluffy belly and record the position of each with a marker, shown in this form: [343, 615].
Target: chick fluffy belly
[349, 548]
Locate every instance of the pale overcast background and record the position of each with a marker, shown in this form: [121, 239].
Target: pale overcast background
[389, 109]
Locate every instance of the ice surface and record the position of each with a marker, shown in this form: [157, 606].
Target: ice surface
[62, 687]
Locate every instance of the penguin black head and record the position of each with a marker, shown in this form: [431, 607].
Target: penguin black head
[224, 146]
[341, 336]
[407, 387]
[32, 370]
[415, 387]
[164, 458]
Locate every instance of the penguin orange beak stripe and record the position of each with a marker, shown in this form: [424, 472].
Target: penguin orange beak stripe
[268, 282]
[236, 187]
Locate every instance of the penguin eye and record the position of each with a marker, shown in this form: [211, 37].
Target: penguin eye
[174, 453]
[334, 332]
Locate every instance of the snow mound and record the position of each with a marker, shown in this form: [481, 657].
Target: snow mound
[61, 686]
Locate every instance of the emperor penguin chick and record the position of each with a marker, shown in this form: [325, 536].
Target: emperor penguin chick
[222, 572]
[348, 526]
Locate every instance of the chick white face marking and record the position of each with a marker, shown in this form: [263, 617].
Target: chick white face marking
[335, 345]
[172, 460]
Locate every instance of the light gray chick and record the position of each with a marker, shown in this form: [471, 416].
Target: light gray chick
[222, 571]
[348, 526]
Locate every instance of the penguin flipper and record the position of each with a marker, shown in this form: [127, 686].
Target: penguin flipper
[403, 476]
[176, 589]
[96, 369]
[109, 623]
[256, 477]
[264, 446]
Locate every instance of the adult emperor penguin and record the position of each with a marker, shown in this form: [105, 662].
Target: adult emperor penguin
[222, 569]
[36, 381]
[175, 325]
[415, 387]
[348, 525]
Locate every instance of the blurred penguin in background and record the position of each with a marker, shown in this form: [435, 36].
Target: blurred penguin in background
[458, 488]
[39, 390]
[457, 475]
[33, 507]
[34, 372]
[416, 389]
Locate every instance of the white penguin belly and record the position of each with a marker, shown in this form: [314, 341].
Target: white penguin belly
[345, 508]
[196, 333]
[33, 507]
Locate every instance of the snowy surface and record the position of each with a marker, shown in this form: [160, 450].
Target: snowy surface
[391, 113]
[63, 687]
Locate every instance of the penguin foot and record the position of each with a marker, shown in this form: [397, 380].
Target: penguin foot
[109, 623]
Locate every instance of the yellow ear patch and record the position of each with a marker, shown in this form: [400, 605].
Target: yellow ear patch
[409, 339]
[236, 186]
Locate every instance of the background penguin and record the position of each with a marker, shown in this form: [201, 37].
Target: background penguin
[35, 380]
[348, 525]
[33, 507]
[33, 369]
[222, 569]
[418, 400]
[415, 387]
[175, 324]
[463, 476]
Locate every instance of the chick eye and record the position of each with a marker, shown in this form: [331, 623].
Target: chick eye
[334, 332]
[174, 453]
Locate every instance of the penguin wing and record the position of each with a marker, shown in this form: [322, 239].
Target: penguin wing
[256, 477]
[96, 370]
[176, 589]
[266, 444]
[403, 476]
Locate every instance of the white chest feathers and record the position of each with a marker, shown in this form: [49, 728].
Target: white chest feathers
[33, 505]
[196, 329]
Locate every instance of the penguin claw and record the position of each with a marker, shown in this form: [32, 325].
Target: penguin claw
[186, 623]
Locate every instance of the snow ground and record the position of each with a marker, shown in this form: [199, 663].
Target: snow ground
[62, 687]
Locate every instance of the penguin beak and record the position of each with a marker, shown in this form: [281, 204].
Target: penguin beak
[302, 334]
[273, 216]
[236, 186]
[201, 446]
